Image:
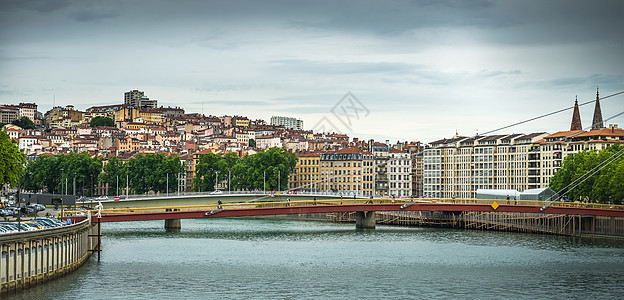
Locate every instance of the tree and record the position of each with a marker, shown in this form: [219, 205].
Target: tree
[605, 186]
[205, 170]
[24, 122]
[149, 172]
[252, 143]
[115, 171]
[101, 121]
[50, 174]
[247, 173]
[11, 160]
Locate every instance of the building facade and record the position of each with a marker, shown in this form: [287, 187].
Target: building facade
[287, 122]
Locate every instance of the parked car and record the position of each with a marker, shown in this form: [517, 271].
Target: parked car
[12, 211]
[53, 222]
[217, 192]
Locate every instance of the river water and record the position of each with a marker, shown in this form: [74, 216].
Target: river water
[284, 259]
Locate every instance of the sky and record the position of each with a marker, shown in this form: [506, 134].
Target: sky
[418, 70]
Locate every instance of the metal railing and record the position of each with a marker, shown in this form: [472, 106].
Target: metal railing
[272, 204]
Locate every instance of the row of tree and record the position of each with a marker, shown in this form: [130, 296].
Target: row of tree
[264, 170]
[594, 175]
[79, 173]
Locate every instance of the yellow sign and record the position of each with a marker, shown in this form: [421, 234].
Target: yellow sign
[495, 205]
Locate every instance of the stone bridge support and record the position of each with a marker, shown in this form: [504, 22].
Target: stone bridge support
[365, 219]
[173, 223]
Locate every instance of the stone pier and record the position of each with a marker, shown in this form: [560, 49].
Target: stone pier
[173, 223]
[365, 219]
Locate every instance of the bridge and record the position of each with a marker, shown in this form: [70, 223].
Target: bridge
[173, 209]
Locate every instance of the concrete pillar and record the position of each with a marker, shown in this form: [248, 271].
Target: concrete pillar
[173, 224]
[365, 219]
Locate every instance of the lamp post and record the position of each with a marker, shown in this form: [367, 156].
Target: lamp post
[19, 187]
[264, 182]
[167, 184]
[216, 180]
[61, 181]
[229, 179]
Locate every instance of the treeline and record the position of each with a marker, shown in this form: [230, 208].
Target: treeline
[144, 172]
[267, 169]
[605, 186]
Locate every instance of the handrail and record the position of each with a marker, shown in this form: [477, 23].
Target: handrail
[272, 204]
[43, 233]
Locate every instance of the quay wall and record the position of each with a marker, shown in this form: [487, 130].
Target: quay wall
[32, 257]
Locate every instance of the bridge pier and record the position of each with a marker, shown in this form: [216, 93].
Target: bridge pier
[173, 223]
[365, 219]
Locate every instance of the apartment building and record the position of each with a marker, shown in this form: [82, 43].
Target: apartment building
[348, 171]
[399, 173]
[306, 175]
[287, 122]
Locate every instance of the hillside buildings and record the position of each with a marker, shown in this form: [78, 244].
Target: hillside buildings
[328, 162]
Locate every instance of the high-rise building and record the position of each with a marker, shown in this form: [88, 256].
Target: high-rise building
[287, 122]
[137, 99]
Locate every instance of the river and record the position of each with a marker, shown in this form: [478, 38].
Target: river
[284, 259]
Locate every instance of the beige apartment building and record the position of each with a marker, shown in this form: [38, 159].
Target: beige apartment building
[348, 171]
[459, 166]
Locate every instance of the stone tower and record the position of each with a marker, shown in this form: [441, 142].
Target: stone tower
[576, 118]
[597, 121]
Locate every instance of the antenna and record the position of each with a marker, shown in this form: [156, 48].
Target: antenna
[53, 99]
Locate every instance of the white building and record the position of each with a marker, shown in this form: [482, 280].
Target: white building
[399, 173]
[287, 122]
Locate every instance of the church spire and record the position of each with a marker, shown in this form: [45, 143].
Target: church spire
[576, 118]
[597, 121]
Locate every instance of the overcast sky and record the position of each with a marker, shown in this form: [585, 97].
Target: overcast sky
[416, 70]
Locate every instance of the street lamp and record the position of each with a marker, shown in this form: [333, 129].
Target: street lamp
[216, 180]
[19, 187]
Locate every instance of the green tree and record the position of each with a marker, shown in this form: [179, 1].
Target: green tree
[149, 173]
[11, 160]
[605, 186]
[205, 170]
[114, 171]
[252, 143]
[24, 122]
[42, 174]
[50, 174]
[101, 121]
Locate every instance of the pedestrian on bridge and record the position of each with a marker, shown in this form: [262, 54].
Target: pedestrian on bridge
[219, 204]
[288, 201]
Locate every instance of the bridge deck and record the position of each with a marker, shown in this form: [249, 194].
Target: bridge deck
[329, 206]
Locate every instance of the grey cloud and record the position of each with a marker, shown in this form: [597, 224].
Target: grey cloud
[42, 6]
[613, 82]
[309, 66]
[90, 16]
